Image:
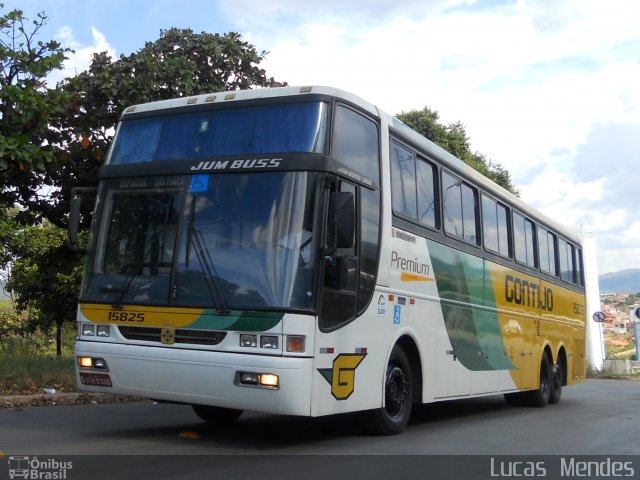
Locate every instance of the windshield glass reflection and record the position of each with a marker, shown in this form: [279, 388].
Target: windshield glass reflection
[218, 241]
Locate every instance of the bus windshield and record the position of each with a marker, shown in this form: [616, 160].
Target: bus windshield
[226, 241]
[284, 128]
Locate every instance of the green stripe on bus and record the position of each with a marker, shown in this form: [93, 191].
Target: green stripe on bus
[474, 333]
[237, 320]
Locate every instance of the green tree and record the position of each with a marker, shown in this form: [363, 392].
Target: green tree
[44, 276]
[453, 138]
[27, 107]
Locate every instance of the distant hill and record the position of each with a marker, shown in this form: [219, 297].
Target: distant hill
[625, 281]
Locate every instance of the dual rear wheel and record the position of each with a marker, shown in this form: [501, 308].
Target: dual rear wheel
[550, 391]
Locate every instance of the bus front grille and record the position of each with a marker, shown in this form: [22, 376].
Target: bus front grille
[184, 336]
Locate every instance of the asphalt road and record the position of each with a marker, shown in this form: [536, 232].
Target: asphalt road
[596, 417]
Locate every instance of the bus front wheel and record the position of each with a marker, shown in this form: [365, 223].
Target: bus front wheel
[398, 396]
[217, 415]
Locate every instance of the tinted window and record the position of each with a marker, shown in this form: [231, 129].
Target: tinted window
[567, 261]
[547, 251]
[503, 231]
[369, 230]
[460, 205]
[293, 127]
[523, 240]
[426, 193]
[580, 268]
[355, 142]
[469, 208]
[403, 181]
[495, 226]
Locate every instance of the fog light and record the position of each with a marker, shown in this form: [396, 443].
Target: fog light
[269, 380]
[99, 363]
[88, 330]
[85, 362]
[268, 341]
[295, 343]
[103, 331]
[248, 340]
[249, 378]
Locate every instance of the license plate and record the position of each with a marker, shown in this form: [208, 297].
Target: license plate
[96, 379]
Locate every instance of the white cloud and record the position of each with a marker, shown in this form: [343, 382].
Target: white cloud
[80, 59]
[536, 83]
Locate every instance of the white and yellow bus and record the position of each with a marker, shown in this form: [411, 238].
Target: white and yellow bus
[297, 251]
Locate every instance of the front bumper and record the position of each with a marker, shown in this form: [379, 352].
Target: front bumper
[201, 377]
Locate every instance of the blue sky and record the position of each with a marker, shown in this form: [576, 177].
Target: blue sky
[549, 89]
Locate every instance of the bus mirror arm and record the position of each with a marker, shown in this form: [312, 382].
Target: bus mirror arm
[73, 227]
[340, 222]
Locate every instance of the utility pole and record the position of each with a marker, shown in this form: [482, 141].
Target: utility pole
[636, 332]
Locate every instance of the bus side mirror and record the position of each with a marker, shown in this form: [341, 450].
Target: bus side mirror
[73, 228]
[340, 223]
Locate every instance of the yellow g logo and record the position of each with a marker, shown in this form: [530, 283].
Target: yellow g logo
[342, 376]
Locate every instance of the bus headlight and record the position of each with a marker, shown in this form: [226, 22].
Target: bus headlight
[87, 330]
[268, 341]
[248, 340]
[103, 331]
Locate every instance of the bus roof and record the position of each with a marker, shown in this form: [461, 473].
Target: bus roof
[422, 143]
[253, 94]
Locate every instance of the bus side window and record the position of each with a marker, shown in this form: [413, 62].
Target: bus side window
[567, 261]
[403, 181]
[355, 142]
[547, 251]
[460, 203]
[523, 240]
[495, 226]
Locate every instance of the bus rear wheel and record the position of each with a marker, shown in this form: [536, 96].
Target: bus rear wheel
[217, 415]
[398, 396]
[540, 397]
[556, 384]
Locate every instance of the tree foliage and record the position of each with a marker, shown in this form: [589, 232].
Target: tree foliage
[45, 275]
[453, 138]
[27, 107]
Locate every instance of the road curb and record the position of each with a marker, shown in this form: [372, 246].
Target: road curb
[42, 399]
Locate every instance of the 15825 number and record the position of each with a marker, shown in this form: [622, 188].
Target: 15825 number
[125, 317]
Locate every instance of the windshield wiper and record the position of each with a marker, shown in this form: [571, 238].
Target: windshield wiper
[130, 269]
[204, 257]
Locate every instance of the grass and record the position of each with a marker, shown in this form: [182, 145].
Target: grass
[29, 365]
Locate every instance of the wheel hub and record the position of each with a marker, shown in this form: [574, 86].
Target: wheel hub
[396, 391]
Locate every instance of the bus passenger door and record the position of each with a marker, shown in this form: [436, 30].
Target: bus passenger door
[341, 271]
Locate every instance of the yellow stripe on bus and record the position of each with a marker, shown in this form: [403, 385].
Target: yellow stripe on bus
[148, 316]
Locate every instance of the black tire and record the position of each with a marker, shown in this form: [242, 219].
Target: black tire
[556, 384]
[398, 396]
[540, 397]
[217, 415]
